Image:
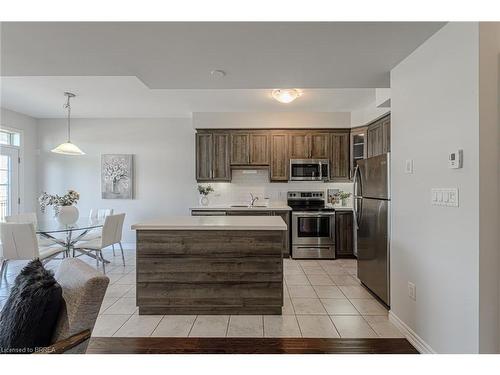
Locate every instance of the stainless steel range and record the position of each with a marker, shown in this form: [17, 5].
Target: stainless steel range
[313, 225]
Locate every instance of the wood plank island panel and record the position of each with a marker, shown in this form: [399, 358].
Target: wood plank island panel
[209, 271]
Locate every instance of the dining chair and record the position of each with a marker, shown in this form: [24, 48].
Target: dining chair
[111, 235]
[19, 242]
[29, 217]
[94, 215]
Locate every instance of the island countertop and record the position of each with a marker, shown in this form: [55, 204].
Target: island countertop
[214, 223]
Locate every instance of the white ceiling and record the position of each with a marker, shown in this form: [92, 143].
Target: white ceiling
[180, 55]
[43, 97]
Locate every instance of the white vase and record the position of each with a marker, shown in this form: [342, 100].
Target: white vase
[67, 215]
[203, 200]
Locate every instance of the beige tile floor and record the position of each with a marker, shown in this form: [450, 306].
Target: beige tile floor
[323, 298]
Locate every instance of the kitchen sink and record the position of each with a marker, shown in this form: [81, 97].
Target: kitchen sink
[247, 206]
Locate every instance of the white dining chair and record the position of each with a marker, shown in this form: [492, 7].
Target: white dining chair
[97, 214]
[111, 235]
[19, 242]
[29, 217]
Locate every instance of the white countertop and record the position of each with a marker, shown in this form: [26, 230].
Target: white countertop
[229, 207]
[214, 223]
[339, 207]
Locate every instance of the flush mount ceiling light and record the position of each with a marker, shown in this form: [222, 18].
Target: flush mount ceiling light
[68, 148]
[286, 95]
[217, 74]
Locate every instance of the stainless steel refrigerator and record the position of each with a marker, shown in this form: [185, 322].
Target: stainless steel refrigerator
[372, 206]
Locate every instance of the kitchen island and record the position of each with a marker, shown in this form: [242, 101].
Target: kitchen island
[210, 265]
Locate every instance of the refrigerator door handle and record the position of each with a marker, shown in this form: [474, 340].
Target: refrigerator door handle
[357, 182]
[359, 212]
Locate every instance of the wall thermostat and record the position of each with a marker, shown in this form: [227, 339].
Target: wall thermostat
[455, 159]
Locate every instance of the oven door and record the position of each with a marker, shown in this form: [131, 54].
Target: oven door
[313, 228]
[305, 170]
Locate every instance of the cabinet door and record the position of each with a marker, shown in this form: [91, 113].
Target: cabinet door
[375, 140]
[344, 234]
[240, 148]
[221, 170]
[386, 135]
[279, 157]
[339, 167]
[358, 147]
[259, 149]
[203, 156]
[299, 146]
[320, 145]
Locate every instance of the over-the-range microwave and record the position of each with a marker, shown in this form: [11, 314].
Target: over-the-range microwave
[309, 169]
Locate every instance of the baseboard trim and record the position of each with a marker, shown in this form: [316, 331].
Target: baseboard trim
[410, 335]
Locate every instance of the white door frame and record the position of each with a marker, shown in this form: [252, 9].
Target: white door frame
[14, 153]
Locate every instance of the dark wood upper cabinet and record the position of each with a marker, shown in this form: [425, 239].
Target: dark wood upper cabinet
[386, 134]
[259, 148]
[339, 157]
[212, 157]
[379, 134]
[320, 145]
[375, 145]
[240, 148]
[203, 156]
[220, 163]
[219, 150]
[359, 147]
[279, 157]
[299, 145]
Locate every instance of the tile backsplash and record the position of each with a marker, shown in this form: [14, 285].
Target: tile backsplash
[257, 182]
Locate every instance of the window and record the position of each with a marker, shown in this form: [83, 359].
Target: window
[10, 138]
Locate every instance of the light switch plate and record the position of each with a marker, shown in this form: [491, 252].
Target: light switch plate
[412, 291]
[409, 166]
[444, 197]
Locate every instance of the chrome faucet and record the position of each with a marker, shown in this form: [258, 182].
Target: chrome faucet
[252, 200]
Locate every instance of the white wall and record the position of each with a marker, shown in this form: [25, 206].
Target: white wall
[435, 111]
[271, 120]
[29, 154]
[489, 208]
[368, 114]
[164, 164]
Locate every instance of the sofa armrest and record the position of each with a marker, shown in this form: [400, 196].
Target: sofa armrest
[66, 344]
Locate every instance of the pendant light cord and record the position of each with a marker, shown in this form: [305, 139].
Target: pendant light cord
[68, 107]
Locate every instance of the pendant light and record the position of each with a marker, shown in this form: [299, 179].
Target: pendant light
[68, 148]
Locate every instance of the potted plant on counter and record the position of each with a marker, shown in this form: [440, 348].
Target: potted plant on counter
[204, 191]
[343, 197]
[64, 210]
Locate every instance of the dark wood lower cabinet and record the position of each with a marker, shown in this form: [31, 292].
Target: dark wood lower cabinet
[344, 234]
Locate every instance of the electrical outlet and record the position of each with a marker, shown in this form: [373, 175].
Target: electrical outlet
[412, 291]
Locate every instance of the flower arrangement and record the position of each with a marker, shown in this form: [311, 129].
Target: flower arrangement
[115, 171]
[343, 195]
[69, 199]
[205, 190]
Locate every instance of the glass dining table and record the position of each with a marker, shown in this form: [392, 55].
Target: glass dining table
[68, 235]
